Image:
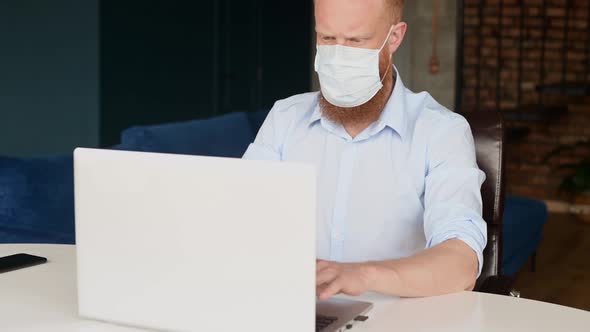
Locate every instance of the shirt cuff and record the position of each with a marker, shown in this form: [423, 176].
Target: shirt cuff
[469, 235]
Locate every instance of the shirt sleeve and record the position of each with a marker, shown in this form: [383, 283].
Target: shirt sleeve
[268, 142]
[452, 199]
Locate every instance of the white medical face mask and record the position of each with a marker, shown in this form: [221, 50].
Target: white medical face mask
[349, 76]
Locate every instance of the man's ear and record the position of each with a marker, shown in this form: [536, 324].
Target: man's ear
[397, 36]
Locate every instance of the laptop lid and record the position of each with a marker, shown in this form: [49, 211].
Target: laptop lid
[187, 243]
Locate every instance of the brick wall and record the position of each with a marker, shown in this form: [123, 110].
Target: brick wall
[512, 47]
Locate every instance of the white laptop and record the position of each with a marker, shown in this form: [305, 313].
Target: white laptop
[187, 243]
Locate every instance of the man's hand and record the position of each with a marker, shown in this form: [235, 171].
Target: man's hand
[349, 278]
[448, 267]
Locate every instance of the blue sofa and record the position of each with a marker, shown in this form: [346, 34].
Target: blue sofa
[37, 203]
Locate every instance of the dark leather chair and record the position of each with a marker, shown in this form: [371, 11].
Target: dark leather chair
[488, 133]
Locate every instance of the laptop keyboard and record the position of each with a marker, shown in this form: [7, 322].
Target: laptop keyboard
[321, 322]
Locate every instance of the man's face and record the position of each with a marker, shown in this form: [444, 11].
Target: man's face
[362, 24]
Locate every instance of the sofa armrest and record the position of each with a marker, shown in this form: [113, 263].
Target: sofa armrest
[37, 200]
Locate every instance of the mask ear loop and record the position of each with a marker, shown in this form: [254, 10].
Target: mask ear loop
[386, 71]
[380, 49]
[386, 39]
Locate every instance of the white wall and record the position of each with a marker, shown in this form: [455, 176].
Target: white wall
[48, 76]
[413, 60]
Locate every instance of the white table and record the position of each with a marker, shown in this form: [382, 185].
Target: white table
[43, 298]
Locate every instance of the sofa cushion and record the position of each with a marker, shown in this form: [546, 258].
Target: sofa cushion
[256, 119]
[522, 227]
[36, 200]
[225, 136]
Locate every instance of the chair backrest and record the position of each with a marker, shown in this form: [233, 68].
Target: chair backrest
[488, 133]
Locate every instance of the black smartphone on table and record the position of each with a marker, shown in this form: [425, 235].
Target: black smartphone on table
[19, 261]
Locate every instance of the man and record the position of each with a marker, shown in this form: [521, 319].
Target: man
[399, 203]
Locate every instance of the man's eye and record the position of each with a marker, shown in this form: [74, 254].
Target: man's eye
[325, 38]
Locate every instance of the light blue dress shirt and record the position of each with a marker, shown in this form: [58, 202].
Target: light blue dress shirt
[407, 182]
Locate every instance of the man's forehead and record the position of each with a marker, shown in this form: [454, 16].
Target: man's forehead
[349, 15]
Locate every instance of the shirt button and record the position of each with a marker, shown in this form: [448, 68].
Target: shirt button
[337, 236]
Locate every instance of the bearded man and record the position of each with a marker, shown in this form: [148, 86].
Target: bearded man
[399, 202]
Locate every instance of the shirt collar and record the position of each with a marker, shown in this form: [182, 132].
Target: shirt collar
[393, 115]
[317, 114]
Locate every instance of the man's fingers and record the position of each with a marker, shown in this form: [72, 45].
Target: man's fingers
[332, 289]
[325, 276]
[320, 264]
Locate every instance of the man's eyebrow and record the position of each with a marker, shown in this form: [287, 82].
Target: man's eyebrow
[355, 36]
[359, 36]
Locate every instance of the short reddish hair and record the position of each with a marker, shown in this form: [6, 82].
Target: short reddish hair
[396, 8]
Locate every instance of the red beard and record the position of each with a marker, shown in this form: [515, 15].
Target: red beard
[368, 112]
